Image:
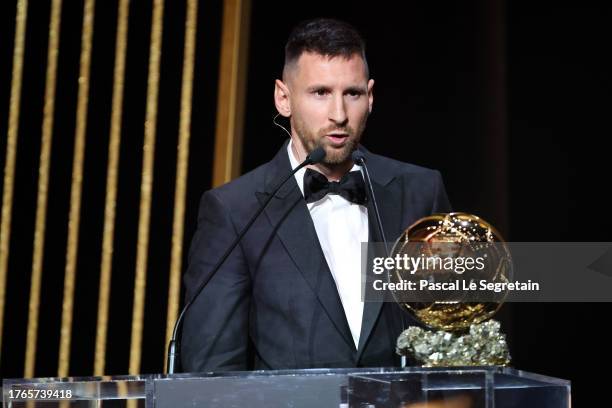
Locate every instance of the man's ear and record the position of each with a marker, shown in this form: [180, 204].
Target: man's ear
[370, 95]
[281, 98]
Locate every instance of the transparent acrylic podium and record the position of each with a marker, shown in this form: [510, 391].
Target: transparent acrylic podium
[413, 387]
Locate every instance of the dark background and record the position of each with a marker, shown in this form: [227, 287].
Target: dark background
[508, 99]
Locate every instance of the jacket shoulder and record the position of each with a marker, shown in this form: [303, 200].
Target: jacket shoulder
[239, 197]
[251, 181]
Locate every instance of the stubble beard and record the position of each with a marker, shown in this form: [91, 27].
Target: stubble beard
[334, 156]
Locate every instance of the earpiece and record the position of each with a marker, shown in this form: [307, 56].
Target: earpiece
[279, 125]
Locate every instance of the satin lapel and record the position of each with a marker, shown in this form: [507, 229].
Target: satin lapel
[296, 231]
[390, 214]
[289, 216]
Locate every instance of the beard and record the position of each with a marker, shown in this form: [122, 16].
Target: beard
[334, 155]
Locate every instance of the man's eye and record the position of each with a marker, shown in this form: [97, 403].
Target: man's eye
[354, 94]
[320, 92]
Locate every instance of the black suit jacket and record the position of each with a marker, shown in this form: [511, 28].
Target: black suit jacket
[274, 303]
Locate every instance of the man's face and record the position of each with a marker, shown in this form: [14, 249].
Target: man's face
[329, 99]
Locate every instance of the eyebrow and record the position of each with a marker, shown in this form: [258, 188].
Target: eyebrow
[356, 89]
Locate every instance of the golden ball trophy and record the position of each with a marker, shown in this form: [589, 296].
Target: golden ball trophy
[461, 330]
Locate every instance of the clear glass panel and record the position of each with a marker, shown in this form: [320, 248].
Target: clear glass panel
[413, 387]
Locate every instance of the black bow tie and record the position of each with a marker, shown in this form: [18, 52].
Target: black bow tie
[351, 187]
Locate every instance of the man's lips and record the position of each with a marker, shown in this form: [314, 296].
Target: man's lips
[337, 138]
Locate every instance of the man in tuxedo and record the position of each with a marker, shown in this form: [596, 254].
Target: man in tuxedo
[289, 296]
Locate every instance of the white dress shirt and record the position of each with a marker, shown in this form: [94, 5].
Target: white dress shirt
[341, 227]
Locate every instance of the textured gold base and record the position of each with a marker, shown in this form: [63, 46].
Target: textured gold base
[484, 345]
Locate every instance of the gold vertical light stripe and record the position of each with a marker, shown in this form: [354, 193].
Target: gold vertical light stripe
[43, 185]
[76, 189]
[11, 151]
[182, 160]
[111, 187]
[232, 84]
[146, 186]
[122, 391]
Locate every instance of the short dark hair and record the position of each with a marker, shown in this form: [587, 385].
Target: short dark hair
[327, 37]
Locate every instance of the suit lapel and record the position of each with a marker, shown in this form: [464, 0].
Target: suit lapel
[390, 216]
[289, 216]
[387, 191]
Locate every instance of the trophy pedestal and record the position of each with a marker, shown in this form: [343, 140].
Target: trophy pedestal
[470, 387]
[484, 345]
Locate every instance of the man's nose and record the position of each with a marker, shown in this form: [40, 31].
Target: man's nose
[337, 112]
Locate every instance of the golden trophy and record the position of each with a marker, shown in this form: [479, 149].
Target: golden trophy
[462, 332]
